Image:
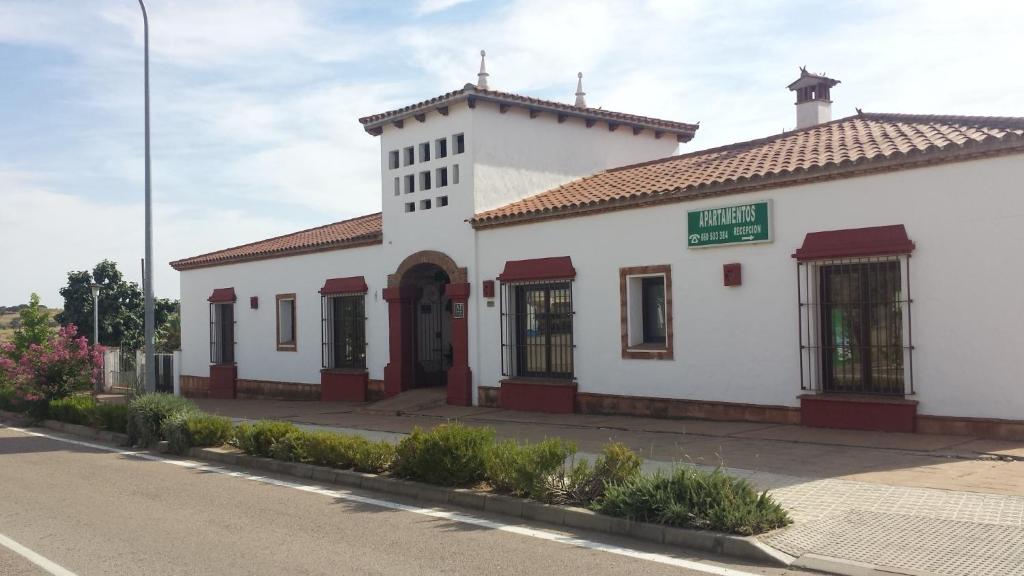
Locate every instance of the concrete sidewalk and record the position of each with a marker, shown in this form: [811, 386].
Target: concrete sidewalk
[906, 502]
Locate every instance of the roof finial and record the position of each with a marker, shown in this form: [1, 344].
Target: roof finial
[481, 77]
[581, 102]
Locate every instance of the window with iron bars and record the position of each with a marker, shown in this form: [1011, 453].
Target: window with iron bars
[536, 329]
[343, 328]
[222, 333]
[855, 326]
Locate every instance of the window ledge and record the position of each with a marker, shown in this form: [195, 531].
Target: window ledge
[343, 370]
[539, 381]
[287, 348]
[652, 351]
[862, 398]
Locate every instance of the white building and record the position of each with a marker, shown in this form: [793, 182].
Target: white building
[536, 255]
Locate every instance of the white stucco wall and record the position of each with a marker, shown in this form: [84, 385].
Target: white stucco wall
[516, 156]
[741, 344]
[255, 330]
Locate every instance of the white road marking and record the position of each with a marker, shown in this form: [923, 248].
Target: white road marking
[432, 512]
[33, 557]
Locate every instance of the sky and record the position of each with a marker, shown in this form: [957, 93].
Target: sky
[255, 104]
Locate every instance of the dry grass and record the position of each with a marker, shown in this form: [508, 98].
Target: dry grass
[6, 318]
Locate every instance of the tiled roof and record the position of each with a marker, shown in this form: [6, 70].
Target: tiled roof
[372, 124]
[358, 231]
[853, 145]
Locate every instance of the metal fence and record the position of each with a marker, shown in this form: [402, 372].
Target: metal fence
[125, 372]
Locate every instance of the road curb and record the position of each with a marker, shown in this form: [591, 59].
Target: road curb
[843, 567]
[743, 547]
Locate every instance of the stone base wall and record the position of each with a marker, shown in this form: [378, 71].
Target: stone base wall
[195, 386]
[488, 396]
[374, 390]
[264, 389]
[984, 427]
[673, 408]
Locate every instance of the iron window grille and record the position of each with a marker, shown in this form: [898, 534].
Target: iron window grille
[222, 333]
[855, 326]
[537, 329]
[343, 331]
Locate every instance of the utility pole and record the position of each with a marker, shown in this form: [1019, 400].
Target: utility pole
[147, 280]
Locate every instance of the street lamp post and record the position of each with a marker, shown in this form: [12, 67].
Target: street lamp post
[147, 280]
[95, 288]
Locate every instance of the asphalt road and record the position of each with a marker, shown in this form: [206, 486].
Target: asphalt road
[93, 511]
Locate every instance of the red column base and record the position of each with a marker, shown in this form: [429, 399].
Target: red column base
[460, 386]
[858, 412]
[223, 379]
[538, 396]
[343, 385]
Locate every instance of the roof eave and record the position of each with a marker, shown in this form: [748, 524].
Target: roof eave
[189, 264]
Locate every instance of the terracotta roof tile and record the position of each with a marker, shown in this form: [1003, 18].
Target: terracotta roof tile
[683, 130]
[357, 231]
[849, 145]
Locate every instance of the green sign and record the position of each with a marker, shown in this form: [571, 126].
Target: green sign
[742, 224]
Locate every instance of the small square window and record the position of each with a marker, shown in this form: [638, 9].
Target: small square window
[455, 174]
[441, 147]
[425, 152]
[393, 159]
[398, 185]
[441, 177]
[425, 180]
[410, 156]
[646, 312]
[425, 204]
[460, 143]
[410, 183]
[442, 201]
[410, 206]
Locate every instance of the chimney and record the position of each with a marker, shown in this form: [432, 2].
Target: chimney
[813, 104]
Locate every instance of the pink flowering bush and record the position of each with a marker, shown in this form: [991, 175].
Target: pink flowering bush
[59, 367]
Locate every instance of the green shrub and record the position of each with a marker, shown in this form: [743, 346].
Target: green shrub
[693, 498]
[73, 409]
[7, 399]
[113, 417]
[449, 455]
[174, 429]
[290, 448]
[257, 438]
[209, 430]
[147, 413]
[185, 428]
[524, 469]
[375, 457]
[580, 484]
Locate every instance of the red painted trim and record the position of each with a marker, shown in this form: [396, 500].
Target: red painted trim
[223, 381]
[538, 396]
[350, 285]
[343, 385]
[538, 269]
[222, 295]
[488, 288]
[460, 377]
[858, 413]
[876, 241]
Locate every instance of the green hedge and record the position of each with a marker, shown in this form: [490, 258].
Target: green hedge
[692, 498]
[113, 417]
[73, 410]
[259, 437]
[448, 455]
[334, 450]
[146, 415]
[524, 469]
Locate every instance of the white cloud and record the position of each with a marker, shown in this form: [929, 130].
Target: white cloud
[46, 234]
[432, 6]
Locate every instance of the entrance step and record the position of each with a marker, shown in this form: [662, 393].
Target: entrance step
[411, 401]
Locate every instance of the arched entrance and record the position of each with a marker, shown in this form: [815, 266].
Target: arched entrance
[428, 330]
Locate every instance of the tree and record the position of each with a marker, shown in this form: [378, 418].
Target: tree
[168, 337]
[34, 326]
[120, 306]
